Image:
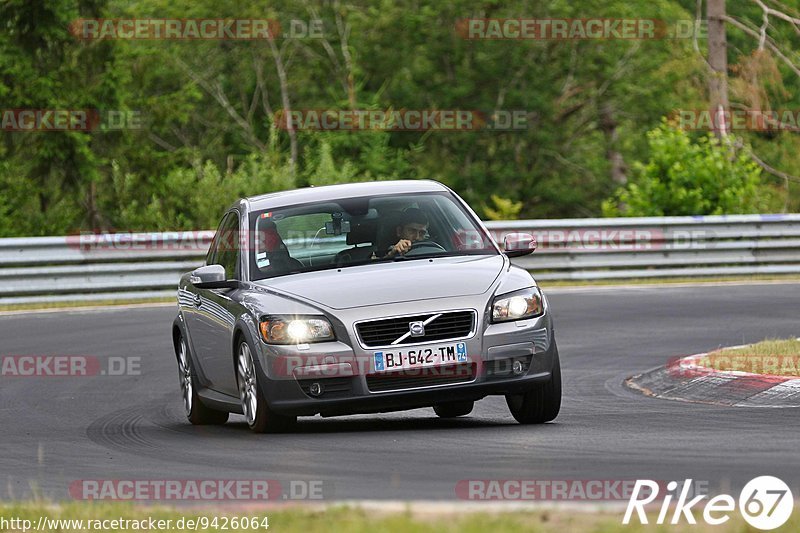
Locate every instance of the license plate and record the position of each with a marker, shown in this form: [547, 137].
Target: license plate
[420, 356]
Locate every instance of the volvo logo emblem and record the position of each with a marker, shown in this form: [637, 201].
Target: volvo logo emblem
[417, 329]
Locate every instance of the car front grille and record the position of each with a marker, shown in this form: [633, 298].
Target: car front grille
[422, 377]
[446, 326]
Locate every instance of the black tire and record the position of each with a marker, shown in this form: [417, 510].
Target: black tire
[454, 409]
[196, 411]
[263, 419]
[541, 403]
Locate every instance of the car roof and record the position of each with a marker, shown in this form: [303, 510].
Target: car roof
[345, 190]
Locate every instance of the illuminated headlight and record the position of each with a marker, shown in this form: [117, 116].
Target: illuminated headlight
[295, 330]
[518, 305]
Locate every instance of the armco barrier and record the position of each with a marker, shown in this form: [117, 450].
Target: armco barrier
[147, 265]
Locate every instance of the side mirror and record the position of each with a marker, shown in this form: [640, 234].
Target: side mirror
[518, 244]
[210, 277]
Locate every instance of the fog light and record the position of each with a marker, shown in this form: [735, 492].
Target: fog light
[517, 368]
[315, 389]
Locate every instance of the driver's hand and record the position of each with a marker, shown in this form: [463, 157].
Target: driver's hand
[402, 246]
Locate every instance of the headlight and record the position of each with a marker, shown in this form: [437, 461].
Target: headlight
[517, 305]
[295, 330]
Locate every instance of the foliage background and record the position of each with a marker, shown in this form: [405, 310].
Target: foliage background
[208, 108]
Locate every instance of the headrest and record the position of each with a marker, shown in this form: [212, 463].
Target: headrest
[269, 239]
[362, 232]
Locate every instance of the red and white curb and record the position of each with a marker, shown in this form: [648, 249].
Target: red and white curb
[688, 380]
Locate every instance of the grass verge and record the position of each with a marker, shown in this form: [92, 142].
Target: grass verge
[667, 281]
[355, 519]
[778, 357]
[78, 304]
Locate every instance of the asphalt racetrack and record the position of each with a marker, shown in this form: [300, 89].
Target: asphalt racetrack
[56, 430]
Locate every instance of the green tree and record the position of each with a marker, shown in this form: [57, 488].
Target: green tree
[209, 106]
[43, 67]
[686, 177]
[502, 209]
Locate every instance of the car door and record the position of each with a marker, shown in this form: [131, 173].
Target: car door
[216, 313]
[191, 299]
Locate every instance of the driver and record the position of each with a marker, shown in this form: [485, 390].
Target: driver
[413, 227]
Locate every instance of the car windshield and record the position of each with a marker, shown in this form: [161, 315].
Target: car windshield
[354, 231]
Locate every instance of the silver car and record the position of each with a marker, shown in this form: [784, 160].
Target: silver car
[362, 298]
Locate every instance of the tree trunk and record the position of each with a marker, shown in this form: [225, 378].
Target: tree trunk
[616, 163]
[94, 219]
[608, 125]
[718, 62]
[287, 105]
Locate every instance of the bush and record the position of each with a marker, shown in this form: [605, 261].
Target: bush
[193, 197]
[682, 177]
[502, 209]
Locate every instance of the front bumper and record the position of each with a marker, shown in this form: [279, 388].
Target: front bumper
[345, 372]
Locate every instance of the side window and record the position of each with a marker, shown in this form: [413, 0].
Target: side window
[212, 249]
[226, 252]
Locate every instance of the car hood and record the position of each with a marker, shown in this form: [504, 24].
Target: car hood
[392, 282]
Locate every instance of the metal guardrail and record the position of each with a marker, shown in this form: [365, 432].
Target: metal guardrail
[148, 265]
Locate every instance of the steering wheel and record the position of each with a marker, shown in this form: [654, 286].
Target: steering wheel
[424, 247]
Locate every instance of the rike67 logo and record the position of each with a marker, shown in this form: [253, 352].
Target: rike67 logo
[765, 503]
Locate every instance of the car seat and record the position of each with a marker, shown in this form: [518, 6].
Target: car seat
[276, 251]
[363, 232]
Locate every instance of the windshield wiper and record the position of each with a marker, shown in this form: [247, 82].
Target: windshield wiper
[399, 257]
